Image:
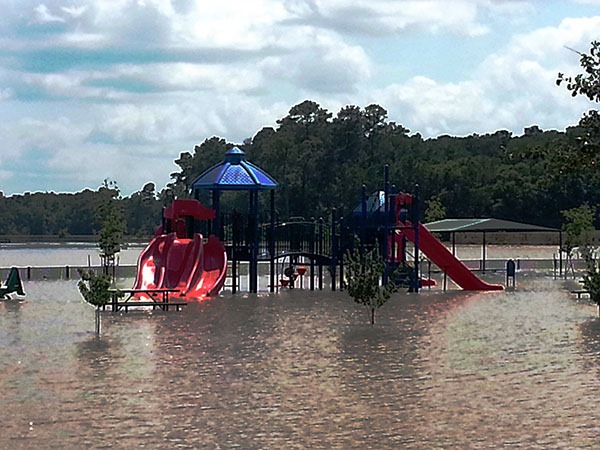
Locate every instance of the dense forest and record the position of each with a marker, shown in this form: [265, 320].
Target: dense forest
[321, 161]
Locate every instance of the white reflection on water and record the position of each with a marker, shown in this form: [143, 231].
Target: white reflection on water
[39, 255]
[302, 369]
[59, 255]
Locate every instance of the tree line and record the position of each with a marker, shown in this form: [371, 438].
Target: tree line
[320, 162]
[80, 213]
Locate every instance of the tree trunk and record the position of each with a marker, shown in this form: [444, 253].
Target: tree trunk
[372, 316]
[97, 320]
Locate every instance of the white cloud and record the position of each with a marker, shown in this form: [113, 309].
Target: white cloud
[319, 62]
[33, 144]
[43, 134]
[377, 17]
[60, 84]
[511, 88]
[5, 93]
[43, 15]
[432, 108]
[513, 9]
[197, 77]
[74, 11]
[138, 81]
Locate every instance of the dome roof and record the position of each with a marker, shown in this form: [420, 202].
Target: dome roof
[234, 174]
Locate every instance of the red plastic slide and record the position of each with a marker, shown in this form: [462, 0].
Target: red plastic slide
[196, 268]
[445, 260]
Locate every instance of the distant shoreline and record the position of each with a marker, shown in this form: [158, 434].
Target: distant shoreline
[69, 240]
[469, 238]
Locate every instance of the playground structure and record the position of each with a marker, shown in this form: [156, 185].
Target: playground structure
[437, 252]
[179, 258]
[198, 248]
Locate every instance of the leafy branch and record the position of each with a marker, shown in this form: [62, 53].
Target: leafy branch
[591, 281]
[363, 280]
[94, 288]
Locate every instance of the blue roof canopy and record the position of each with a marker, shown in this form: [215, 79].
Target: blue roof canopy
[234, 174]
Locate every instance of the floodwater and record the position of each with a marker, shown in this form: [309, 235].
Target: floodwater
[302, 369]
[43, 255]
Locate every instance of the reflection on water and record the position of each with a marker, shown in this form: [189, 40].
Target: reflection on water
[59, 255]
[303, 369]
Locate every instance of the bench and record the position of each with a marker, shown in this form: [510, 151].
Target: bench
[162, 305]
[580, 292]
[160, 299]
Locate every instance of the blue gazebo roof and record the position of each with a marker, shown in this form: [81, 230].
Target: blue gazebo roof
[234, 174]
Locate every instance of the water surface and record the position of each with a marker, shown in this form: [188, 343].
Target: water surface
[303, 369]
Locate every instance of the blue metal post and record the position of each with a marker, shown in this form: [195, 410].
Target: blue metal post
[272, 244]
[334, 250]
[386, 221]
[254, 244]
[415, 220]
[320, 250]
[363, 224]
[216, 205]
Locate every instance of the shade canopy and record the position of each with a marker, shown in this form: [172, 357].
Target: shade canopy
[234, 173]
[482, 225]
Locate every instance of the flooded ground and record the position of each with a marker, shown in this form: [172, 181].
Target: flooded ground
[45, 255]
[23, 255]
[301, 369]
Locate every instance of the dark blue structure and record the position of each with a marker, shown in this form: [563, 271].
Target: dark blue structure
[375, 221]
[234, 173]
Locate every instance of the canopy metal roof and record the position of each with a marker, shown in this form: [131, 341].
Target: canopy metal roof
[234, 174]
[483, 225]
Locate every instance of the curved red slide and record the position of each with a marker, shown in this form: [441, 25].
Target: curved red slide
[196, 268]
[445, 260]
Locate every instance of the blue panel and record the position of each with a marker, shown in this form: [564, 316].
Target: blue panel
[210, 177]
[262, 178]
[236, 175]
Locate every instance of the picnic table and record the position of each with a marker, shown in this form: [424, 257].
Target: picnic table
[580, 292]
[159, 298]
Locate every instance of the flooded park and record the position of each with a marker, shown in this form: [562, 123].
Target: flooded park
[302, 369]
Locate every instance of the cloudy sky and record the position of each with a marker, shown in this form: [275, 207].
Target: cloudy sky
[95, 89]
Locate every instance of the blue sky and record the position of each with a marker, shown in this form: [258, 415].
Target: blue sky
[95, 89]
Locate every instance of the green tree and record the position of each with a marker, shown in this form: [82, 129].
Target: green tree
[94, 287]
[591, 281]
[587, 83]
[584, 156]
[206, 155]
[95, 290]
[363, 280]
[113, 225]
[142, 210]
[578, 227]
[435, 210]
